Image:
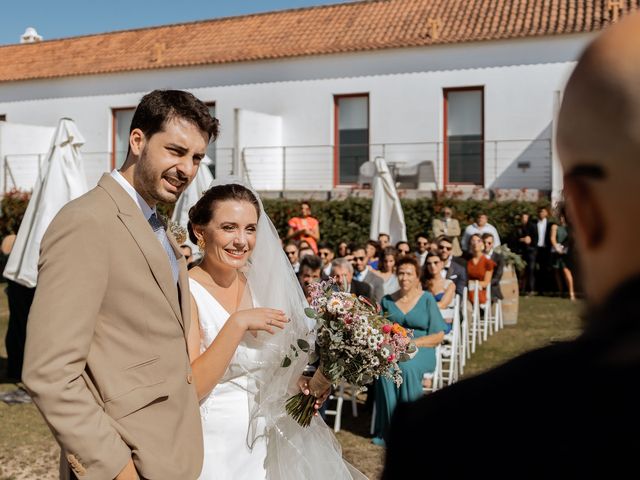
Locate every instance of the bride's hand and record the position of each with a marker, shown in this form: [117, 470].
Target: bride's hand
[303, 385]
[256, 319]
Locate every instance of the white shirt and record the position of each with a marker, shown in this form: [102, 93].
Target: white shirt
[542, 230]
[360, 276]
[146, 210]
[422, 257]
[473, 229]
[445, 270]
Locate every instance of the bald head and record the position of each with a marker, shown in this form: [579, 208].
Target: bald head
[599, 121]
[599, 145]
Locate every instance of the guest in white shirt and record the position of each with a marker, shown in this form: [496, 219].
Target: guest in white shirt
[363, 273]
[326, 254]
[423, 247]
[543, 251]
[291, 249]
[481, 226]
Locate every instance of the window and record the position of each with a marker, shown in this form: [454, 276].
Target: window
[351, 136]
[122, 118]
[121, 125]
[3, 117]
[464, 135]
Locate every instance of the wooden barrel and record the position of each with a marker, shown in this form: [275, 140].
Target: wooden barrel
[510, 291]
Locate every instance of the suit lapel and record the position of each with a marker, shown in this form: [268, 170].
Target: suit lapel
[183, 284]
[153, 252]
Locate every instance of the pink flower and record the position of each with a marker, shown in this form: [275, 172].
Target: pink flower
[386, 328]
[391, 358]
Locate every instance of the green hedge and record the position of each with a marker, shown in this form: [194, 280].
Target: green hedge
[339, 219]
[349, 219]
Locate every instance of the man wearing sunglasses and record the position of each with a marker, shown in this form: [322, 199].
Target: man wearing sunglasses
[576, 401]
[452, 270]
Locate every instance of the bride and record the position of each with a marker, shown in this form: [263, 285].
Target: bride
[247, 313]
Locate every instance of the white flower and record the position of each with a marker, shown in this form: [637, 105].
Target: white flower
[385, 352]
[375, 362]
[333, 305]
[372, 342]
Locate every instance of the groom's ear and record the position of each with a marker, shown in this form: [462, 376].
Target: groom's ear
[137, 141]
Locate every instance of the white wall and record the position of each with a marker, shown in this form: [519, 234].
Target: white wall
[23, 149]
[405, 88]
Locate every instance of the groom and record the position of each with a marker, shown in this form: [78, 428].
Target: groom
[106, 359]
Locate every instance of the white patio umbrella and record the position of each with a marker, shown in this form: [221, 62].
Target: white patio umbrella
[61, 180]
[386, 212]
[192, 194]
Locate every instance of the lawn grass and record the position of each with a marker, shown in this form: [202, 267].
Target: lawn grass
[28, 451]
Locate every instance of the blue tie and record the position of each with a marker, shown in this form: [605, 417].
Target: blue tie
[161, 235]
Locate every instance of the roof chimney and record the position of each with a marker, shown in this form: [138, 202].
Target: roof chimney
[30, 36]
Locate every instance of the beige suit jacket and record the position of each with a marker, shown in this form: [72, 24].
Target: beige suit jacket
[106, 357]
[440, 227]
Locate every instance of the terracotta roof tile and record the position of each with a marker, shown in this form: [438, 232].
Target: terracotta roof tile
[347, 27]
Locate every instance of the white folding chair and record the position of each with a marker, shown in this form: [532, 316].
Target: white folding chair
[485, 319]
[338, 396]
[450, 350]
[475, 334]
[497, 316]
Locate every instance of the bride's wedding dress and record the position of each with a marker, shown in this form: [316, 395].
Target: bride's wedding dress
[247, 432]
[225, 411]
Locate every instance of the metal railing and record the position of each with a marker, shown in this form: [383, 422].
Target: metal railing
[21, 171]
[508, 164]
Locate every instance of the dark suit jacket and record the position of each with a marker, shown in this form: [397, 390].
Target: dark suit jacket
[496, 293]
[458, 274]
[530, 230]
[361, 289]
[566, 410]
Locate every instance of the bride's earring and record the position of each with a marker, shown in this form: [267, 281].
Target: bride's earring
[201, 244]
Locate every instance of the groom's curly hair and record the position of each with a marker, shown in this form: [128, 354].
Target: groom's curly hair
[202, 212]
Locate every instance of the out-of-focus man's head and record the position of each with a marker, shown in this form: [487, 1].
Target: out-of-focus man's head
[598, 139]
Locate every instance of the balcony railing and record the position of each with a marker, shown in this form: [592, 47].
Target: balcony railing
[509, 164]
[500, 164]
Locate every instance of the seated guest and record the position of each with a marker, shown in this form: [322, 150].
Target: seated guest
[342, 272]
[326, 254]
[364, 274]
[384, 241]
[451, 269]
[187, 252]
[310, 271]
[442, 289]
[372, 249]
[479, 267]
[388, 271]
[291, 249]
[496, 293]
[423, 245]
[412, 308]
[342, 250]
[403, 248]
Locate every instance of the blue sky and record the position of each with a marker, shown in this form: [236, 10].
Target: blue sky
[68, 18]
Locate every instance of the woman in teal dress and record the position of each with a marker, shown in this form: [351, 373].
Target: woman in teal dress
[411, 308]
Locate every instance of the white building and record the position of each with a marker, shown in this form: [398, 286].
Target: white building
[305, 96]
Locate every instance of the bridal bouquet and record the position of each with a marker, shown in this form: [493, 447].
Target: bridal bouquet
[356, 344]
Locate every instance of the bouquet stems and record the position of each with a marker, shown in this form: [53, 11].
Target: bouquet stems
[301, 406]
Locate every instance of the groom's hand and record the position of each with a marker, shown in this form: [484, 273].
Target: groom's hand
[129, 472]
